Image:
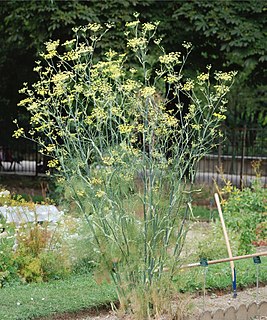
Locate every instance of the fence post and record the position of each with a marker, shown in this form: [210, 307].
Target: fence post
[36, 159]
[220, 155]
[243, 152]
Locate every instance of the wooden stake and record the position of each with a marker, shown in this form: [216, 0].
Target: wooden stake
[217, 200]
[192, 265]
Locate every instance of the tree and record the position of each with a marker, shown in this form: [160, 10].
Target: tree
[233, 33]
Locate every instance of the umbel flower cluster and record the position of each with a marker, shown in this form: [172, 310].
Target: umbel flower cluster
[104, 121]
[79, 97]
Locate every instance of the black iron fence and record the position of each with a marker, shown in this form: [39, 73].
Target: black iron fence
[240, 157]
[241, 154]
[21, 158]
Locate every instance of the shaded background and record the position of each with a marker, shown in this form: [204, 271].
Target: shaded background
[229, 35]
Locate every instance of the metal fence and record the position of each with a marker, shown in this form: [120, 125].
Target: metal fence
[21, 158]
[240, 155]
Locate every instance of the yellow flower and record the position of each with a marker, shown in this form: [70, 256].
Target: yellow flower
[69, 42]
[189, 85]
[116, 111]
[124, 128]
[187, 45]
[132, 24]
[203, 77]
[99, 114]
[130, 85]
[219, 116]
[108, 161]
[37, 69]
[100, 193]
[51, 45]
[196, 126]
[172, 78]
[171, 58]
[18, 133]
[225, 76]
[221, 89]
[52, 163]
[169, 120]
[110, 54]
[148, 92]
[137, 43]
[62, 76]
[84, 49]
[149, 26]
[80, 193]
[94, 27]
[50, 148]
[51, 48]
[25, 101]
[96, 181]
[71, 55]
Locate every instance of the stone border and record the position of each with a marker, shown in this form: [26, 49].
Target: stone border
[251, 312]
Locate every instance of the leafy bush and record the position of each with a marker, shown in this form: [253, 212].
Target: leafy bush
[30, 252]
[245, 214]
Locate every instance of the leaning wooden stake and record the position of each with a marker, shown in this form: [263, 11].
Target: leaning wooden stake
[197, 264]
[217, 200]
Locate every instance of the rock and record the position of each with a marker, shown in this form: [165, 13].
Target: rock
[241, 313]
[230, 314]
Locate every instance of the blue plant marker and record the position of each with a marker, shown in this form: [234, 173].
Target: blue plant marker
[203, 262]
[234, 285]
[257, 260]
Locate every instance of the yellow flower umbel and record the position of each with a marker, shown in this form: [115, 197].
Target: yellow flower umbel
[51, 48]
[53, 163]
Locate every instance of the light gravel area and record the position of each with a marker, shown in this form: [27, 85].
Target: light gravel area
[216, 301]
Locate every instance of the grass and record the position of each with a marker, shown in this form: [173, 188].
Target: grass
[35, 300]
[81, 292]
[202, 213]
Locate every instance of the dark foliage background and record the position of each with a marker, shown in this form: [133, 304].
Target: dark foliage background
[226, 34]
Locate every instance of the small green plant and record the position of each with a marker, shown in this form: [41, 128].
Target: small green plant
[36, 256]
[8, 266]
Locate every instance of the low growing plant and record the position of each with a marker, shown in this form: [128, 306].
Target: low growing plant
[105, 122]
[245, 214]
[30, 251]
